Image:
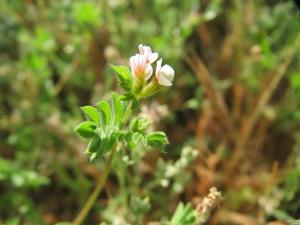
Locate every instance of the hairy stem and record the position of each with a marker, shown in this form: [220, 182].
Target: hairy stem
[93, 197]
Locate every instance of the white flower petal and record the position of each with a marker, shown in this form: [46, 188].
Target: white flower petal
[162, 80]
[168, 72]
[141, 67]
[158, 66]
[144, 50]
[153, 57]
[132, 63]
[148, 71]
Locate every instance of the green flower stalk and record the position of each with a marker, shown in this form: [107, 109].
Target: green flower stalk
[107, 127]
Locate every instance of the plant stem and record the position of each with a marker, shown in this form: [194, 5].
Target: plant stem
[93, 197]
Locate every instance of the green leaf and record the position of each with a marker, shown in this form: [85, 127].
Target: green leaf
[112, 140]
[103, 148]
[104, 143]
[91, 113]
[117, 109]
[139, 124]
[94, 144]
[157, 139]
[184, 215]
[86, 129]
[136, 137]
[105, 110]
[124, 76]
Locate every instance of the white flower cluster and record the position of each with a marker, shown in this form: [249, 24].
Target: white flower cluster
[141, 66]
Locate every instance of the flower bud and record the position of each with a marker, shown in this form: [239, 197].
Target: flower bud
[164, 74]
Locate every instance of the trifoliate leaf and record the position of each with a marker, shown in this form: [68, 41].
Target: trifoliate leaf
[124, 76]
[91, 113]
[105, 110]
[86, 129]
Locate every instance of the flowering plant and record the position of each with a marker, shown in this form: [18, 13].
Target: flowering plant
[110, 131]
[107, 127]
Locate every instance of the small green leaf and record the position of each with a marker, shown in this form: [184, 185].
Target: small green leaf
[117, 109]
[86, 129]
[112, 140]
[104, 143]
[94, 144]
[184, 215]
[157, 139]
[105, 110]
[124, 76]
[136, 137]
[91, 113]
[124, 136]
[139, 124]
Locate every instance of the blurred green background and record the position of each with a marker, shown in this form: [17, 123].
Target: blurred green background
[236, 101]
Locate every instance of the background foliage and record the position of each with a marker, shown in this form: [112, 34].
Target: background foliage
[232, 117]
